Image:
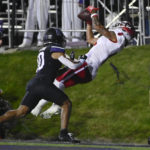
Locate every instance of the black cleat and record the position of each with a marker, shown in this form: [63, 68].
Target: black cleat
[68, 138]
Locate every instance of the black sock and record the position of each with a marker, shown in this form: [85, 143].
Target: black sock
[63, 131]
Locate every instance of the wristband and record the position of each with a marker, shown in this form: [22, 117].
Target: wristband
[93, 15]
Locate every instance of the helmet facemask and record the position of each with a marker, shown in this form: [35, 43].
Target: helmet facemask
[127, 28]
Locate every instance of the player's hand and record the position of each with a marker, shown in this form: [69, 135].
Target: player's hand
[72, 55]
[82, 58]
[92, 9]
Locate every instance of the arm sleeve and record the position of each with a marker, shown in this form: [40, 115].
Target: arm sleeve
[68, 63]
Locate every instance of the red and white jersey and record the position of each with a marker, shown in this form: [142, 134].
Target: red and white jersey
[103, 49]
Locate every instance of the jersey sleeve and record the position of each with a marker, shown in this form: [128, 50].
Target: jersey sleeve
[57, 49]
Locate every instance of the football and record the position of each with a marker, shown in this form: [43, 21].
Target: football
[85, 15]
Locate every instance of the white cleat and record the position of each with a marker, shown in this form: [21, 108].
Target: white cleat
[53, 110]
[36, 111]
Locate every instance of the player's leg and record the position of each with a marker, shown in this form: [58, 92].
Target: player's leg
[55, 95]
[68, 79]
[54, 109]
[65, 116]
[60, 98]
[36, 111]
[73, 77]
[14, 114]
[29, 101]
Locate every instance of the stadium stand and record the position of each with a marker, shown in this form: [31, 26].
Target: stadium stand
[13, 13]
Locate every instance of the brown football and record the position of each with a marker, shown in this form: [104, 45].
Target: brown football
[85, 15]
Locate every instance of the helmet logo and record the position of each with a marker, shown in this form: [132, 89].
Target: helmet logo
[49, 37]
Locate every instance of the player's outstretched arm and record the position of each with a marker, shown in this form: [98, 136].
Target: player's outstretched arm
[85, 15]
[89, 35]
[101, 29]
[67, 62]
[98, 26]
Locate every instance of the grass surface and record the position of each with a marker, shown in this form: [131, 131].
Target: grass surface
[107, 109]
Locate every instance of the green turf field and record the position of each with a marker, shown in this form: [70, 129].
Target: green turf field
[107, 109]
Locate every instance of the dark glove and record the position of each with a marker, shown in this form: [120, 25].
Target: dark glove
[82, 57]
[72, 55]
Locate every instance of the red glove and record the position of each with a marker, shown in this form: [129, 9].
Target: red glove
[91, 8]
[89, 22]
[85, 15]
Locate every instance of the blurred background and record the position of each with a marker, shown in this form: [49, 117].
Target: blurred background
[13, 15]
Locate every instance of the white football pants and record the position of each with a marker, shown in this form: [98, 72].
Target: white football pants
[37, 14]
[70, 21]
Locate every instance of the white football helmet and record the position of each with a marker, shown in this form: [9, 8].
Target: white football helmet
[127, 28]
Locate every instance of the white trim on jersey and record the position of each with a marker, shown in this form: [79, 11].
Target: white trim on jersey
[68, 63]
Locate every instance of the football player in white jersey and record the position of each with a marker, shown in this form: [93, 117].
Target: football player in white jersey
[109, 43]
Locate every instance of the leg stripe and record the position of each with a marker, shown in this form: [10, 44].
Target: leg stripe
[76, 72]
